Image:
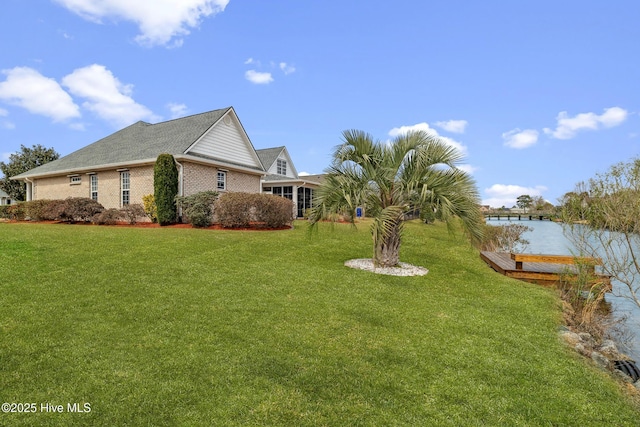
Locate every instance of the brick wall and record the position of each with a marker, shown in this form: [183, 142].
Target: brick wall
[205, 178]
[108, 186]
[196, 178]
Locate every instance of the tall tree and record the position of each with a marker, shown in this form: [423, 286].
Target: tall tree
[414, 171]
[524, 202]
[22, 161]
[165, 188]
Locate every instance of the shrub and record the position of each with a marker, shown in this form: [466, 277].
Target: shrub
[35, 209]
[198, 208]
[81, 209]
[4, 211]
[165, 188]
[107, 217]
[233, 210]
[273, 211]
[236, 210]
[505, 238]
[53, 210]
[150, 209]
[16, 212]
[132, 212]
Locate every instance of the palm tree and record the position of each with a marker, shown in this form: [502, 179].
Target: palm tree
[414, 171]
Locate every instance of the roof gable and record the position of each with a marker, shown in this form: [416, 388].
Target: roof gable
[226, 140]
[269, 157]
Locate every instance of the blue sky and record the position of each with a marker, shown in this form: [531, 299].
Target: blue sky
[539, 94]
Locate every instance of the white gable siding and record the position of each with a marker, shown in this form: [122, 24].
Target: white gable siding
[226, 141]
[290, 169]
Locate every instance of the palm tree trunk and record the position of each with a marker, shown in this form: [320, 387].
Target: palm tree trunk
[387, 249]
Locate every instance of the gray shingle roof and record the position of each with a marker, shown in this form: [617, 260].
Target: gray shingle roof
[140, 141]
[269, 155]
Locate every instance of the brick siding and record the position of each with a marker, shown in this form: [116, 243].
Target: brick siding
[197, 178]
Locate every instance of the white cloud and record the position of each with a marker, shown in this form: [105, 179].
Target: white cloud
[304, 174]
[38, 94]
[426, 128]
[106, 96]
[455, 126]
[507, 195]
[258, 78]
[177, 110]
[567, 127]
[159, 21]
[248, 61]
[3, 112]
[517, 138]
[286, 68]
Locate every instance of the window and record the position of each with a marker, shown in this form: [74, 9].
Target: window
[305, 200]
[281, 166]
[125, 188]
[286, 192]
[76, 179]
[94, 187]
[222, 180]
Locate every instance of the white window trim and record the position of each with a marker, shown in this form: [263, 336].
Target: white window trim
[122, 189]
[75, 179]
[281, 167]
[92, 178]
[222, 173]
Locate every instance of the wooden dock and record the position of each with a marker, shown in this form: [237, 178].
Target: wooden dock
[546, 270]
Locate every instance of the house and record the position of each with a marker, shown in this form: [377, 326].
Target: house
[282, 179]
[212, 151]
[5, 199]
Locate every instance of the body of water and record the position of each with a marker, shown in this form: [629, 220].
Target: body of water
[547, 238]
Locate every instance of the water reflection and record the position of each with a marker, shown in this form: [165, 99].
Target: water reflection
[547, 238]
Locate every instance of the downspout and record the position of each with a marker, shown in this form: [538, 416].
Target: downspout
[180, 185]
[29, 189]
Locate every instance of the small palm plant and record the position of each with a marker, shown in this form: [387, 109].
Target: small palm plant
[415, 170]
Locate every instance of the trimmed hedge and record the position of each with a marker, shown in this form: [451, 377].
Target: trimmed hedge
[107, 217]
[197, 209]
[165, 188]
[131, 213]
[242, 210]
[35, 209]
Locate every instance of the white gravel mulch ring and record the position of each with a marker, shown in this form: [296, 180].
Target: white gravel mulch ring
[403, 270]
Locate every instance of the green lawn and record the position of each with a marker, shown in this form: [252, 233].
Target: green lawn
[199, 327]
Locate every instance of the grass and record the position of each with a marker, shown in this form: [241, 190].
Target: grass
[200, 327]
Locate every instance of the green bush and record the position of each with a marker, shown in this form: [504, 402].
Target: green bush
[132, 212]
[4, 211]
[107, 217]
[240, 210]
[165, 188]
[197, 209]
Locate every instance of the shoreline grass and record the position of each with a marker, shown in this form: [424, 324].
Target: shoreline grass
[201, 327]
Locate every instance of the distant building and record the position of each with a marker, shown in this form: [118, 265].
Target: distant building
[5, 199]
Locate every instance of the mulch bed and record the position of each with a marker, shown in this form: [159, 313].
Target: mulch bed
[253, 227]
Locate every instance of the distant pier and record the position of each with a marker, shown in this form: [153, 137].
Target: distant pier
[518, 217]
